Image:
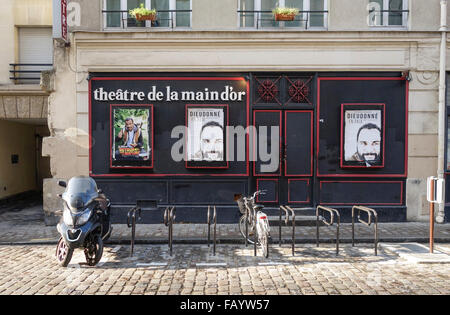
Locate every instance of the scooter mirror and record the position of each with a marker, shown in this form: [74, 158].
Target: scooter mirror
[62, 183]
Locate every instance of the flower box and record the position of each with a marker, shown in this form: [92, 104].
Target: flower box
[145, 17]
[285, 17]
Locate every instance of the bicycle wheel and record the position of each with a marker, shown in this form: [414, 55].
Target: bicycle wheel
[264, 243]
[242, 229]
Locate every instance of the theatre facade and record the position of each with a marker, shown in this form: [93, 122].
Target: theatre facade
[190, 118]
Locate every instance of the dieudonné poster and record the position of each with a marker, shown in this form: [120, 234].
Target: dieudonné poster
[206, 138]
[362, 135]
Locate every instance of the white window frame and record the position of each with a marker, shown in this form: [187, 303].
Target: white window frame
[386, 25]
[123, 7]
[281, 3]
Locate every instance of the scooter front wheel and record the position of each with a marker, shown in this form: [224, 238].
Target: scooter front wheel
[63, 253]
[94, 250]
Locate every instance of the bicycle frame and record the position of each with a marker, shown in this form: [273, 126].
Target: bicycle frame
[251, 217]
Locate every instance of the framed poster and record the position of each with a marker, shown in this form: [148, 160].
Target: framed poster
[131, 136]
[362, 135]
[206, 144]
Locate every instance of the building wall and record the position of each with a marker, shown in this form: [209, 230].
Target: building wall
[348, 44]
[344, 15]
[7, 37]
[246, 51]
[214, 15]
[23, 108]
[14, 14]
[17, 139]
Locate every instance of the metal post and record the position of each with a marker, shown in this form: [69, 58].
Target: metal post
[208, 218]
[337, 233]
[279, 238]
[255, 235]
[246, 226]
[432, 217]
[376, 232]
[215, 224]
[133, 232]
[353, 226]
[170, 235]
[317, 226]
[441, 114]
[293, 232]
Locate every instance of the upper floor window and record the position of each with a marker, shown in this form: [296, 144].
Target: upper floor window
[169, 13]
[35, 54]
[258, 13]
[390, 13]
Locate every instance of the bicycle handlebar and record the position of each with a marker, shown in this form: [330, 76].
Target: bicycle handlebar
[259, 192]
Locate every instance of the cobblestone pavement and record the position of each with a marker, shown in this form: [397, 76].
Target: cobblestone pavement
[32, 269]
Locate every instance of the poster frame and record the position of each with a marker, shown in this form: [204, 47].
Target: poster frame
[150, 136]
[362, 106]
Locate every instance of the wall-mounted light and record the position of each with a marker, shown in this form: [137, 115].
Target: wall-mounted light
[406, 75]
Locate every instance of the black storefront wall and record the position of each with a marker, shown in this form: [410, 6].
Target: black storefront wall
[306, 108]
[384, 187]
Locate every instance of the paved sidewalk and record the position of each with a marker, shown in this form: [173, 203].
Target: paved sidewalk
[234, 270]
[26, 225]
[27, 257]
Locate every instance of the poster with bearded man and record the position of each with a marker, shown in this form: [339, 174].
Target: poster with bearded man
[206, 139]
[362, 135]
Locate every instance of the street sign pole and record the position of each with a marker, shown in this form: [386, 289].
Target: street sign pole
[432, 189]
[435, 194]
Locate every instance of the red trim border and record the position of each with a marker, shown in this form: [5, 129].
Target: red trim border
[267, 179]
[257, 138]
[111, 123]
[383, 123]
[225, 133]
[312, 142]
[307, 180]
[372, 182]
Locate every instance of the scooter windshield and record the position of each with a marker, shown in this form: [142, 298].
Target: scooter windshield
[80, 191]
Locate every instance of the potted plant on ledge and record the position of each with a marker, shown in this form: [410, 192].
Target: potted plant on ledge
[285, 14]
[143, 14]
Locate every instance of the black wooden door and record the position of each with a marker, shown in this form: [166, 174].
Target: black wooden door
[287, 136]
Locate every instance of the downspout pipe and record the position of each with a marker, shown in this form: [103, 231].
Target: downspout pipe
[442, 105]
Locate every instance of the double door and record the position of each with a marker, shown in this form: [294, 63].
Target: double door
[284, 156]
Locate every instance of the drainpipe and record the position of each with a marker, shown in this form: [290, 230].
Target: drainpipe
[442, 116]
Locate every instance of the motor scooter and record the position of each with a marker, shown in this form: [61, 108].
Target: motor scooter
[85, 221]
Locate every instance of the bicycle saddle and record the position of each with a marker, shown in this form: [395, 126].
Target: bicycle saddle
[258, 207]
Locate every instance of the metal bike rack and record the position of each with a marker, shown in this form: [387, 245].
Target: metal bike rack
[246, 226]
[214, 219]
[255, 234]
[286, 221]
[131, 223]
[141, 205]
[322, 219]
[286, 210]
[169, 218]
[370, 212]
